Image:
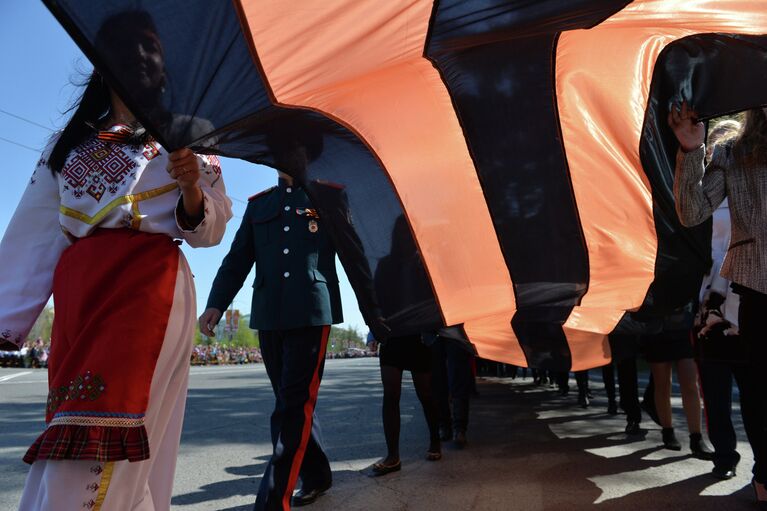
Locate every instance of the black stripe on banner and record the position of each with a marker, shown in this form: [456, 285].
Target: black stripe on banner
[498, 66]
[717, 74]
[209, 94]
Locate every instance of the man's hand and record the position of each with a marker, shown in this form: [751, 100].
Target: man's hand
[208, 321]
[689, 131]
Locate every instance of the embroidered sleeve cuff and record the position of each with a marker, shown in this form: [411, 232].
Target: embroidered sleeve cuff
[190, 225]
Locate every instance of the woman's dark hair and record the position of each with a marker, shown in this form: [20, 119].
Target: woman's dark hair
[89, 110]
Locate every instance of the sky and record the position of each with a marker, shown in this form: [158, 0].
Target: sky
[40, 64]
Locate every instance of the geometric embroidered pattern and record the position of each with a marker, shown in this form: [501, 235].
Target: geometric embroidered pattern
[84, 387]
[11, 336]
[98, 167]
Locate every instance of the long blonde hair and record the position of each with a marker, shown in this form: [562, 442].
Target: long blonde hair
[751, 143]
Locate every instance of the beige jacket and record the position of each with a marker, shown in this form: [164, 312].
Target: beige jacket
[698, 192]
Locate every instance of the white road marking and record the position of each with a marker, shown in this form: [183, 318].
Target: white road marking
[12, 376]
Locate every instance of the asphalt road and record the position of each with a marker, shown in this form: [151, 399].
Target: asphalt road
[529, 449]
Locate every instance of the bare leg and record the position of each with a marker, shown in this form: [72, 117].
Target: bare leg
[688, 381]
[422, 383]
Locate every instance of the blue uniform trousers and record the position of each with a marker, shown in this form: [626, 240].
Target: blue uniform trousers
[294, 360]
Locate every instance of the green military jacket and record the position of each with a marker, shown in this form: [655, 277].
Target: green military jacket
[296, 283]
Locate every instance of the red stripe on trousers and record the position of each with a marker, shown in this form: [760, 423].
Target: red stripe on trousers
[314, 388]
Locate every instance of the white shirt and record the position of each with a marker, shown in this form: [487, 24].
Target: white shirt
[713, 281]
[104, 185]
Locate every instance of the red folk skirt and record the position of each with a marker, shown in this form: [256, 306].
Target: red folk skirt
[113, 293]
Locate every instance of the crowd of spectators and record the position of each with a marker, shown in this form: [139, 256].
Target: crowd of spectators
[222, 354]
[32, 354]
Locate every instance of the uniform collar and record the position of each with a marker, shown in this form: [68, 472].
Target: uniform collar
[283, 184]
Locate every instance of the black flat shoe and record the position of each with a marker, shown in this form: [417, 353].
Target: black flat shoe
[723, 472]
[612, 408]
[379, 469]
[304, 497]
[433, 455]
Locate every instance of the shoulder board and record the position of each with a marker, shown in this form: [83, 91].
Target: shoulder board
[337, 186]
[261, 194]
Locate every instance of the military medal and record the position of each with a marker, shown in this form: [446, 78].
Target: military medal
[309, 213]
[313, 226]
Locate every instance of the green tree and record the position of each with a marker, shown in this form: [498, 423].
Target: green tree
[43, 326]
[244, 336]
[198, 337]
[342, 338]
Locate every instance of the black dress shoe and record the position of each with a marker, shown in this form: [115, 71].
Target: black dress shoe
[723, 472]
[612, 408]
[583, 400]
[304, 497]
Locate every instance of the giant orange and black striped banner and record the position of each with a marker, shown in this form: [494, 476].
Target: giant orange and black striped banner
[499, 165]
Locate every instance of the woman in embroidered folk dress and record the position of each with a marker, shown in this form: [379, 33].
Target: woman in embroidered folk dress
[96, 227]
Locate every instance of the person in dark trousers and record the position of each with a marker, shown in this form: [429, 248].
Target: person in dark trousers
[295, 300]
[562, 379]
[608, 378]
[453, 381]
[624, 348]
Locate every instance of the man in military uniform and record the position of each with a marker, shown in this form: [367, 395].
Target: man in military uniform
[295, 300]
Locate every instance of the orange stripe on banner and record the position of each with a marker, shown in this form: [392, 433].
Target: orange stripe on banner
[495, 340]
[603, 78]
[361, 63]
[314, 388]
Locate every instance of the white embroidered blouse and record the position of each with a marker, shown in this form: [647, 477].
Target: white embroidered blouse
[102, 184]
